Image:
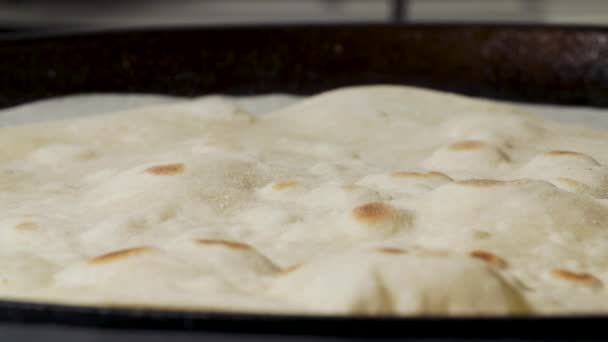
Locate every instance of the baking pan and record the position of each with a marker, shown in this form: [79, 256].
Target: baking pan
[543, 64]
[567, 65]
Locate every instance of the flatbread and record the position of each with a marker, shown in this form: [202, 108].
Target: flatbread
[363, 200]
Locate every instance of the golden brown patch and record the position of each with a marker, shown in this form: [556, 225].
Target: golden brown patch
[407, 174]
[166, 170]
[466, 145]
[27, 226]
[391, 250]
[482, 183]
[291, 268]
[286, 184]
[225, 243]
[582, 278]
[120, 254]
[489, 258]
[374, 212]
[563, 153]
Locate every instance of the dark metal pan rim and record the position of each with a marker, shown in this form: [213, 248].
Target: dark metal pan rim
[554, 64]
[76, 32]
[135, 310]
[558, 326]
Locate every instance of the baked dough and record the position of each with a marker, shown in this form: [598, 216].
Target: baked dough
[364, 200]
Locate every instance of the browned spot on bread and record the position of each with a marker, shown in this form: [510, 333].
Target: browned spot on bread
[466, 145]
[406, 174]
[577, 186]
[374, 212]
[391, 250]
[481, 182]
[563, 153]
[473, 145]
[582, 278]
[291, 268]
[26, 226]
[490, 258]
[224, 243]
[286, 184]
[120, 254]
[166, 170]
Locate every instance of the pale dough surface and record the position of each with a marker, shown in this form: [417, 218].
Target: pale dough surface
[362, 200]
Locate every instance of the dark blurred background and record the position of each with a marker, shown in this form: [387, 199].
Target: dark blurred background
[51, 14]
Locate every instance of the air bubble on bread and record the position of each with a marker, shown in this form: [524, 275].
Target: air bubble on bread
[219, 251]
[400, 183]
[532, 209]
[563, 153]
[405, 284]
[334, 195]
[498, 129]
[478, 145]
[467, 156]
[572, 185]
[570, 171]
